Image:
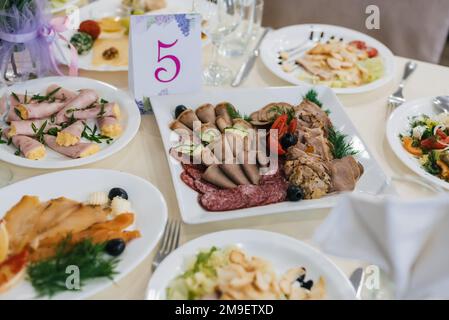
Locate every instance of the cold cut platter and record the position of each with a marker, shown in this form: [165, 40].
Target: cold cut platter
[261, 151]
[64, 122]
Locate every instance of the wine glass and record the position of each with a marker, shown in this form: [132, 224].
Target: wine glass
[219, 19]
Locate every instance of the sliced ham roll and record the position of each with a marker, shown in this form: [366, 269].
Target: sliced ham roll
[71, 135]
[12, 103]
[188, 118]
[85, 98]
[25, 127]
[206, 113]
[61, 94]
[38, 110]
[30, 148]
[110, 127]
[81, 150]
[110, 109]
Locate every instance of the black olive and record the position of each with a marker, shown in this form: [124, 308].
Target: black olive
[288, 140]
[179, 109]
[118, 192]
[307, 285]
[115, 247]
[295, 193]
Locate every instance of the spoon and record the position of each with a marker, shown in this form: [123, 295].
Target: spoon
[442, 103]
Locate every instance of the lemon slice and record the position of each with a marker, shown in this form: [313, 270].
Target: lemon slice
[4, 241]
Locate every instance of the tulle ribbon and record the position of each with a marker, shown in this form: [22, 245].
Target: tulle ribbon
[49, 32]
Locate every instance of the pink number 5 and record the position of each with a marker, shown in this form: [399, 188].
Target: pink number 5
[170, 57]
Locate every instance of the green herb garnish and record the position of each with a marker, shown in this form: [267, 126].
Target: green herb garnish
[17, 112]
[280, 111]
[39, 133]
[18, 152]
[340, 147]
[92, 135]
[40, 98]
[431, 164]
[48, 277]
[53, 131]
[312, 96]
[1, 139]
[235, 114]
[16, 97]
[102, 112]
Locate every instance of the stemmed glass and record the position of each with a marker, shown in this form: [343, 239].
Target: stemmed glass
[219, 19]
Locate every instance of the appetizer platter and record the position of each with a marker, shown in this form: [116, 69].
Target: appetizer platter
[318, 153]
[343, 59]
[97, 220]
[61, 122]
[101, 36]
[259, 265]
[418, 134]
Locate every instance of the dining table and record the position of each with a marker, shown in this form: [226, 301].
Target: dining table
[146, 157]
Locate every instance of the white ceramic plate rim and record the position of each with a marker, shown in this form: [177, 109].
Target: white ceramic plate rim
[132, 126]
[172, 265]
[146, 247]
[396, 125]
[195, 214]
[386, 54]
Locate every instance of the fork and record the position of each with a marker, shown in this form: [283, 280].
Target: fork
[170, 241]
[397, 98]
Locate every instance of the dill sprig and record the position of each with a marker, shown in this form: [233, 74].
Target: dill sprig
[312, 96]
[340, 147]
[48, 277]
[235, 114]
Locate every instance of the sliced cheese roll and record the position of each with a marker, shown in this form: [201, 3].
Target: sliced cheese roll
[80, 150]
[110, 127]
[71, 135]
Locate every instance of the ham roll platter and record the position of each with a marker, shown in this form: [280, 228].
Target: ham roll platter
[73, 122]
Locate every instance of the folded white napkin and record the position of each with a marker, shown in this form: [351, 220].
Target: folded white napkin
[409, 240]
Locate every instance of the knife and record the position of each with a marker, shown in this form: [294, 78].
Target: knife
[356, 280]
[249, 63]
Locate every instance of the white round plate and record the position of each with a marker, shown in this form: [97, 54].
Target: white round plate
[147, 202]
[292, 36]
[100, 9]
[282, 251]
[130, 121]
[399, 123]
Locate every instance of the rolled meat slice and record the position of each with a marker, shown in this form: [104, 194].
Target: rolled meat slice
[222, 123]
[110, 109]
[221, 109]
[188, 118]
[214, 175]
[61, 94]
[38, 110]
[25, 127]
[28, 147]
[81, 150]
[85, 98]
[12, 102]
[249, 167]
[110, 127]
[209, 132]
[206, 113]
[71, 135]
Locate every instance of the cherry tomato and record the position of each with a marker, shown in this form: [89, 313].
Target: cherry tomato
[293, 125]
[90, 27]
[282, 119]
[361, 45]
[432, 143]
[441, 134]
[372, 52]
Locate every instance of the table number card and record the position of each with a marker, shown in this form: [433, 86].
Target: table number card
[165, 56]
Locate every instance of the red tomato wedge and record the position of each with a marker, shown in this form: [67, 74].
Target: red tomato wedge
[12, 269]
[372, 52]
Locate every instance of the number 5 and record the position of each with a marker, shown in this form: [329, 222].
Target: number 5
[169, 57]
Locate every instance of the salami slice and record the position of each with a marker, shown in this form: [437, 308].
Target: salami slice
[224, 200]
[195, 171]
[255, 195]
[204, 186]
[188, 180]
